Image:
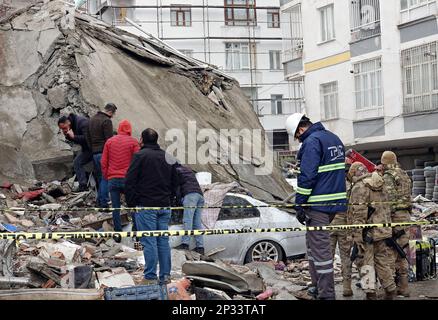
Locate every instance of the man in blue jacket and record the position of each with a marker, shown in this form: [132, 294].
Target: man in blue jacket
[321, 194]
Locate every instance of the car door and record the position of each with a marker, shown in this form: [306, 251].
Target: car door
[233, 218]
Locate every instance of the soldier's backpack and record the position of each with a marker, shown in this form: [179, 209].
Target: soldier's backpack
[425, 259]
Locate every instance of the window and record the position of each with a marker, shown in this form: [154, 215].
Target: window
[329, 100]
[416, 9]
[181, 16]
[188, 53]
[273, 18]
[240, 12]
[327, 23]
[237, 56]
[420, 78]
[293, 34]
[276, 104]
[365, 19]
[233, 214]
[280, 140]
[368, 84]
[275, 60]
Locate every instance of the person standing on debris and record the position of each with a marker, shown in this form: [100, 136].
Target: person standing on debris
[193, 200]
[399, 186]
[342, 238]
[116, 158]
[75, 129]
[101, 129]
[152, 181]
[368, 205]
[321, 184]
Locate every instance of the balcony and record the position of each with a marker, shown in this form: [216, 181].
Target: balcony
[365, 19]
[366, 31]
[417, 9]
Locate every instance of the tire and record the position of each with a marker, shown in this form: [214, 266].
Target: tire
[430, 163]
[419, 162]
[418, 178]
[416, 172]
[430, 182]
[429, 173]
[435, 189]
[435, 195]
[418, 191]
[419, 184]
[272, 247]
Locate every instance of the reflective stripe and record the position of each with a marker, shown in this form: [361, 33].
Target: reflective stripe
[328, 197]
[306, 192]
[325, 271]
[332, 167]
[324, 263]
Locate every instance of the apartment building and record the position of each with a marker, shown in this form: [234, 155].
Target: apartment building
[244, 38]
[370, 71]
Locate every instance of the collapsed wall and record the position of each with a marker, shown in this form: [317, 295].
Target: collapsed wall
[54, 61]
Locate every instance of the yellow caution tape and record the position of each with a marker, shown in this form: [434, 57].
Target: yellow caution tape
[20, 236]
[279, 206]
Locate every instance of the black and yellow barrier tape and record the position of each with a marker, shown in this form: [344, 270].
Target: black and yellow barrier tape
[21, 236]
[271, 205]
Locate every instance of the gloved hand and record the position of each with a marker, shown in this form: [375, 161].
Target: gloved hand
[301, 214]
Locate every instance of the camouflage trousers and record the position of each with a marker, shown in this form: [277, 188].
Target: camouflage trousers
[377, 262]
[343, 240]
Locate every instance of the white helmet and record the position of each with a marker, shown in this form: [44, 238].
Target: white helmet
[292, 123]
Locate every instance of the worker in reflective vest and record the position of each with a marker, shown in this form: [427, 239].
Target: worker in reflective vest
[321, 194]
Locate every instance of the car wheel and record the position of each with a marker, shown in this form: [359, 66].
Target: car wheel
[264, 251]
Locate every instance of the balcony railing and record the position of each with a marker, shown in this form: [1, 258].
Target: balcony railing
[365, 19]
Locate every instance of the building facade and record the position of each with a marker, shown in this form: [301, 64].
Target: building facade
[370, 71]
[244, 38]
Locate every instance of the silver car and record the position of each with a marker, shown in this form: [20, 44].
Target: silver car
[248, 247]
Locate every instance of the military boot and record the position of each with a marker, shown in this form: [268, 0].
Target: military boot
[371, 296]
[347, 292]
[390, 295]
[403, 288]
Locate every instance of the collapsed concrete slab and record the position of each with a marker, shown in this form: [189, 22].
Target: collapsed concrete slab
[54, 61]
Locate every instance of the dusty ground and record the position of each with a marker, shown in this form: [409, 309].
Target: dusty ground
[421, 290]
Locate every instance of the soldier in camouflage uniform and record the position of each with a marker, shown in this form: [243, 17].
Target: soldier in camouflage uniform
[343, 239]
[377, 256]
[398, 185]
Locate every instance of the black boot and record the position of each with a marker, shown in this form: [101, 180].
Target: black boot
[182, 246]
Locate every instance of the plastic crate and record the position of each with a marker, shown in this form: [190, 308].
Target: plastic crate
[152, 292]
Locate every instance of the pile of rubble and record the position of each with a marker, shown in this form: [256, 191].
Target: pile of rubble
[77, 265]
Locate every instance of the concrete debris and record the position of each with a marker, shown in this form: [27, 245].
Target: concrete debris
[116, 278]
[55, 61]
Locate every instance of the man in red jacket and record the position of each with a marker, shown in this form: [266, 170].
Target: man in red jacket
[116, 158]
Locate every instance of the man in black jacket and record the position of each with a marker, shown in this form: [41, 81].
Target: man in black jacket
[151, 181]
[193, 200]
[75, 129]
[101, 129]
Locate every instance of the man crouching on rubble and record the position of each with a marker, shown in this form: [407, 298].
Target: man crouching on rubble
[151, 181]
[75, 129]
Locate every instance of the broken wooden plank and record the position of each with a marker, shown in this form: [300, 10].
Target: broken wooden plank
[51, 294]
